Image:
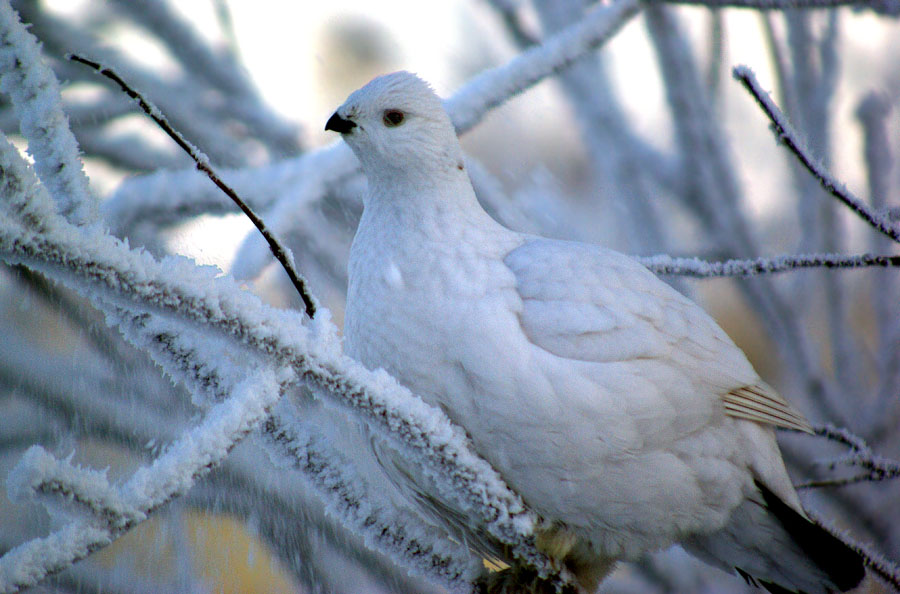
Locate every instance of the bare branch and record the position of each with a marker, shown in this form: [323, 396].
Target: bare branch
[281, 253]
[786, 134]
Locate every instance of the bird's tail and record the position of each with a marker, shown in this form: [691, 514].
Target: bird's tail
[771, 544]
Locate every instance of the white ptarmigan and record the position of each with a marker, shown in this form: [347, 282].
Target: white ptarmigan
[616, 407]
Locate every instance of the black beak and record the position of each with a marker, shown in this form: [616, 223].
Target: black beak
[339, 124]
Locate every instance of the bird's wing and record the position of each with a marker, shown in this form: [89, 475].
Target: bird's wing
[587, 303]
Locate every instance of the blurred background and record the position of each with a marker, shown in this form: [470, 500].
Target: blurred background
[647, 146]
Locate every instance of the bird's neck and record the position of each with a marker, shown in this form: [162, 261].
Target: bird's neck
[426, 198]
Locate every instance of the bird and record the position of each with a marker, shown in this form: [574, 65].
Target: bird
[615, 406]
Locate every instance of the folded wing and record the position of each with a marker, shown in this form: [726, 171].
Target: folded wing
[587, 303]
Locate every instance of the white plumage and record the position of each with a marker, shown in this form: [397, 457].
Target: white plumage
[612, 404]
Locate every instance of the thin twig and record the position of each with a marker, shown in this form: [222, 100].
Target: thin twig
[860, 456]
[843, 482]
[785, 133]
[281, 253]
[694, 267]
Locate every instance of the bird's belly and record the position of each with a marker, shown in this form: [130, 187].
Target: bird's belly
[595, 446]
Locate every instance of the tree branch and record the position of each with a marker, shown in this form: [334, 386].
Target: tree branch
[281, 253]
[117, 510]
[695, 267]
[860, 455]
[786, 134]
[34, 92]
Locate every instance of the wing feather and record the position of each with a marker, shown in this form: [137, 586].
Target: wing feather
[763, 404]
[591, 304]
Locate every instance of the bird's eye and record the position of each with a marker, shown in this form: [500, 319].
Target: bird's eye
[392, 117]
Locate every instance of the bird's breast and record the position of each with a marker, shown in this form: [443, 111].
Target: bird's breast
[414, 297]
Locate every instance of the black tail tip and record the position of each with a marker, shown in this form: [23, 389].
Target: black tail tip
[843, 565]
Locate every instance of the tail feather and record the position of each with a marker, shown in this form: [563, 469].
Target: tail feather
[773, 545]
[844, 566]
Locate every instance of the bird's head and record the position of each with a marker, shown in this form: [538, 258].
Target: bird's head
[397, 125]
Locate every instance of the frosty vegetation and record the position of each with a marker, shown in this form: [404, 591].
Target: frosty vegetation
[138, 387]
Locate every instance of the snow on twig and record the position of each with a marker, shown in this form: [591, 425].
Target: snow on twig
[786, 134]
[115, 510]
[410, 544]
[876, 468]
[203, 364]
[191, 102]
[40, 473]
[695, 267]
[861, 456]
[22, 197]
[281, 336]
[281, 253]
[31, 562]
[34, 92]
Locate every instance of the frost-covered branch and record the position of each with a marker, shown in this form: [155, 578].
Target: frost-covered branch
[695, 267]
[38, 473]
[115, 510]
[860, 456]
[225, 126]
[786, 134]
[35, 95]
[385, 530]
[884, 568]
[211, 368]
[204, 330]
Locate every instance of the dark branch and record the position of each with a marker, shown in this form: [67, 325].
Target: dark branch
[282, 254]
[786, 134]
